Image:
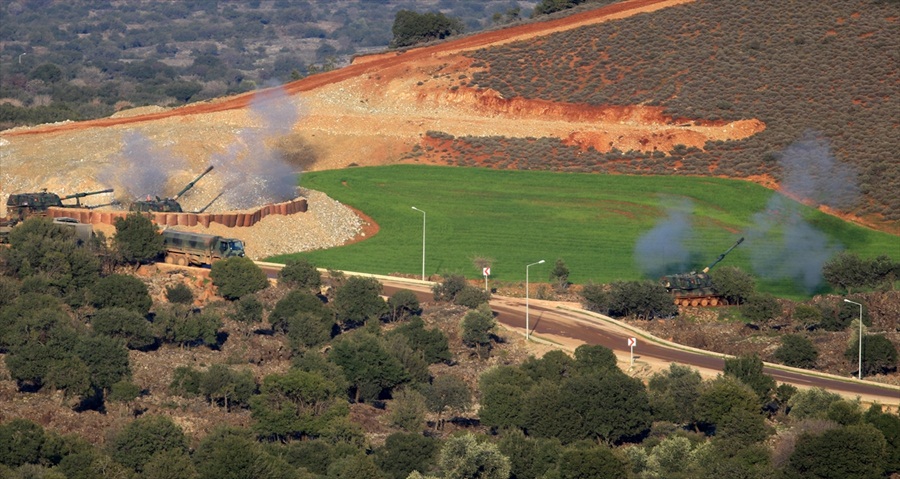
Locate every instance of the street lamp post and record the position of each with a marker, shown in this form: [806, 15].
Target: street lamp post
[423, 241]
[527, 329]
[860, 335]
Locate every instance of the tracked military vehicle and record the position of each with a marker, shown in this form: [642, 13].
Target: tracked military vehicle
[696, 289]
[20, 206]
[165, 205]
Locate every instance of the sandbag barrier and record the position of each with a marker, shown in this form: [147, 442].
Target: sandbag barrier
[230, 219]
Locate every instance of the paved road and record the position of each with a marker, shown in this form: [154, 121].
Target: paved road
[553, 323]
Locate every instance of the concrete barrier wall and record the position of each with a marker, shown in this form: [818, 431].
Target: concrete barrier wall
[230, 219]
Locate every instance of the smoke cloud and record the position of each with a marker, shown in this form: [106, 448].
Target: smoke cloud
[783, 245]
[142, 170]
[813, 175]
[252, 171]
[663, 250]
[255, 173]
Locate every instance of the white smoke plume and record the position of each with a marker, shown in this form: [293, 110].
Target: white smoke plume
[783, 245]
[254, 172]
[663, 249]
[142, 169]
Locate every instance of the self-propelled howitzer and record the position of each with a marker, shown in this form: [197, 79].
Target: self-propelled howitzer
[696, 289]
[166, 205]
[20, 206]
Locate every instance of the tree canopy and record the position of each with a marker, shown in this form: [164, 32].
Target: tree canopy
[411, 28]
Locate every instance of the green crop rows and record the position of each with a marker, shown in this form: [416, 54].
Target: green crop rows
[593, 222]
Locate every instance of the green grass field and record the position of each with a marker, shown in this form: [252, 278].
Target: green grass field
[593, 222]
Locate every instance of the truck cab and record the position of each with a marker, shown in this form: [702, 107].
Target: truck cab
[231, 247]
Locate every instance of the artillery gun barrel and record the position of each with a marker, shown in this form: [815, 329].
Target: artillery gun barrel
[191, 184]
[111, 203]
[79, 196]
[88, 193]
[722, 256]
[201, 210]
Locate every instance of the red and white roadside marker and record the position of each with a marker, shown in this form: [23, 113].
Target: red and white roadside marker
[632, 342]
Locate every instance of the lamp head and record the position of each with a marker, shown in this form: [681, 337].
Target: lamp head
[541, 261]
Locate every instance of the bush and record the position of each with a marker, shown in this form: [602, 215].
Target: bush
[733, 284]
[183, 326]
[879, 354]
[559, 275]
[20, 442]
[807, 316]
[811, 403]
[138, 441]
[839, 318]
[472, 297]
[123, 391]
[761, 307]
[358, 301]
[595, 298]
[477, 329]
[296, 302]
[307, 330]
[432, 342]
[404, 453]
[121, 291]
[137, 239]
[449, 288]
[125, 324]
[186, 381]
[248, 310]
[300, 273]
[643, 299]
[410, 28]
[237, 276]
[179, 294]
[224, 387]
[797, 351]
[404, 302]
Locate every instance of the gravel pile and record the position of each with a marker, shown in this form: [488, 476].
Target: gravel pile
[326, 224]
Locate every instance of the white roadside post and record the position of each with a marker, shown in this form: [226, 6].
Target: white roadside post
[527, 333]
[632, 342]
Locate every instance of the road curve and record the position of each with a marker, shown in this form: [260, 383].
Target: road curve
[558, 324]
